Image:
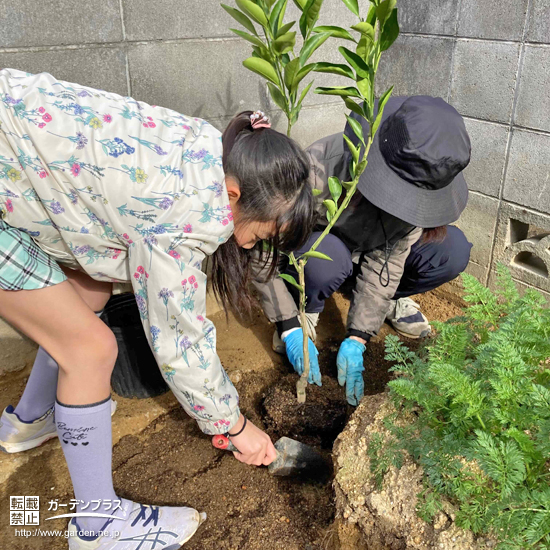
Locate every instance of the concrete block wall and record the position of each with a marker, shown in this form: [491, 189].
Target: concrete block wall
[489, 58]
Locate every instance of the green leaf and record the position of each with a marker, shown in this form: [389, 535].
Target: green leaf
[361, 167]
[384, 9]
[290, 72]
[352, 106]
[300, 4]
[365, 29]
[357, 128]
[285, 28]
[277, 96]
[336, 32]
[335, 188]
[304, 93]
[381, 104]
[371, 16]
[352, 6]
[310, 15]
[263, 68]
[240, 18]
[347, 185]
[249, 37]
[262, 53]
[354, 150]
[253, 10]
[316, 192]
[285, 43]
[301, 74]
[315, 254]
[277, 16]
[390, 31]
[311, 44]
[361, 68]
[290, 279]
[331, 208]
[365, 87]
[334, 68]
[363, 48]
[295, 114]
[343, 91]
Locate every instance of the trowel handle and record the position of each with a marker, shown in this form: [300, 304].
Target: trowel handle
[222, 442]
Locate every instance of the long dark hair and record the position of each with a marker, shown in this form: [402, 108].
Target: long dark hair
[272, 172]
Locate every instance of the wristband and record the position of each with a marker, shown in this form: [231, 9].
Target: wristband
[240, 431]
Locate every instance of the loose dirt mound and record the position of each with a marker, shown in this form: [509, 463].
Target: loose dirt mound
[385, 518]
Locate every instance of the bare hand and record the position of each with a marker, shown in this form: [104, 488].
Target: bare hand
[254, 445]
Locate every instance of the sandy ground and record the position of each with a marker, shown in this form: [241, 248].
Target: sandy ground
[160, 456]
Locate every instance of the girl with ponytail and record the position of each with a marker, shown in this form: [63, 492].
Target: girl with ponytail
[89, 197]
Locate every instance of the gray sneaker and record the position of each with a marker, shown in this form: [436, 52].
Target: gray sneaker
[16, 435]
[407, 319]
[312, 320]
[141, 526]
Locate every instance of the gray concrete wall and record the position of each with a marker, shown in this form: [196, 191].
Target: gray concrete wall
[489, 58]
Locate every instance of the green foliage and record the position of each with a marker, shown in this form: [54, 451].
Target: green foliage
[480, 392]
[273, 45]
[274, 59]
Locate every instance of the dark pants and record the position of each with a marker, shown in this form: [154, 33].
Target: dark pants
[428, 266]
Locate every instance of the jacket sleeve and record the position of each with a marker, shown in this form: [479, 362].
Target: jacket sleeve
[371, 299]
[170, 291]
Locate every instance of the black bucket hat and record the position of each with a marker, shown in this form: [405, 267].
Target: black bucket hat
[415, 163]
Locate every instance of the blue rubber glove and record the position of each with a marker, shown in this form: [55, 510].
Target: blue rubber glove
[294, 343]
[350, 369]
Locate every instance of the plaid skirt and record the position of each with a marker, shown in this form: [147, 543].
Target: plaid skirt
[23, 264]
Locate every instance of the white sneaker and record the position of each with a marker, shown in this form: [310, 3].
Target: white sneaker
[143, 527]
[407, 319]
[312, 320]
[17, 435]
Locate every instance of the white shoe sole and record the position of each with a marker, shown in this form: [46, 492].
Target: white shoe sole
[12, 448]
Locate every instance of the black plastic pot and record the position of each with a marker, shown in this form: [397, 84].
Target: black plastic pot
[136, 373]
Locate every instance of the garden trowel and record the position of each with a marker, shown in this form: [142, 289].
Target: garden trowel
[293, 457]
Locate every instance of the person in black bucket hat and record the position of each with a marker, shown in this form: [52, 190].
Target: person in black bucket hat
[394, 240]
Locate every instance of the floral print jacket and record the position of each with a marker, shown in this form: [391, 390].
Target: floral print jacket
[125, 191]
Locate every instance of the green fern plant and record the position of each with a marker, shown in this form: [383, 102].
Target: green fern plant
[480, 391]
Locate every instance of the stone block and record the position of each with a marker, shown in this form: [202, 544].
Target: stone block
[417, 65]
[520, 285]
[478, 223]
[533, 103]
[428, 16]
[477, 271]
[539, 22]
[484, 173]
[102, 68]
[502, 19]
[484, 76]
[522, 243]
[32, 23]
[204, 79]
[528, 175]
[314, 122]
[16, 350]
[167, 19]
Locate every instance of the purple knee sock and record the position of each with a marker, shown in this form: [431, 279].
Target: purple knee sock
[85, 435]
[39, 394]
